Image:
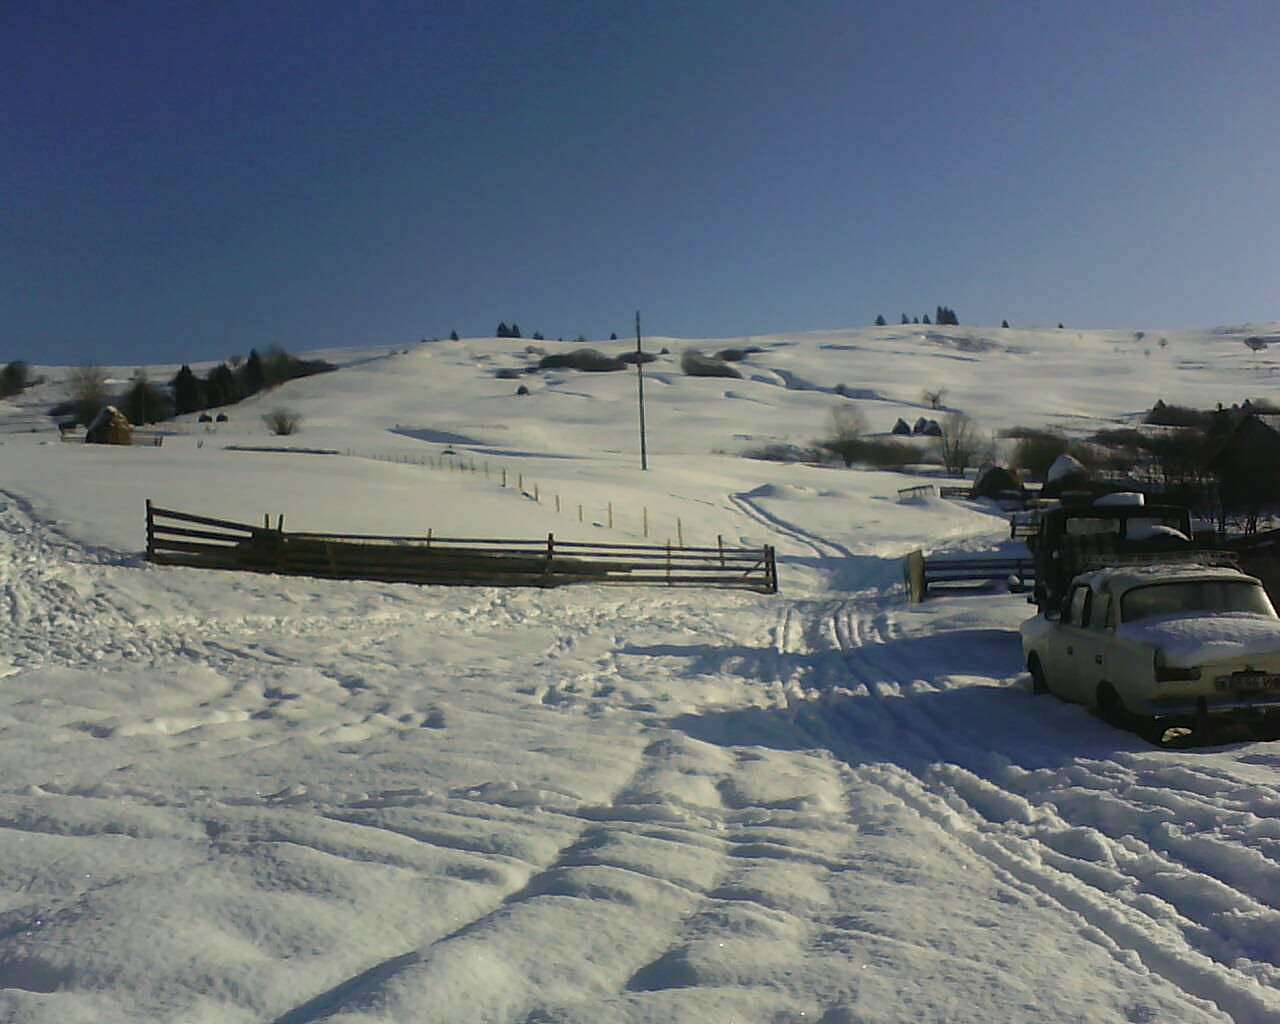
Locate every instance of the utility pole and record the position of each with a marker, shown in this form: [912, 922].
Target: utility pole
[644, 455]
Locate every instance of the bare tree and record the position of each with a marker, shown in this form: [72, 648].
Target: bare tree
[960, 443]
[934, 399]
[847, 423]
[87, 388]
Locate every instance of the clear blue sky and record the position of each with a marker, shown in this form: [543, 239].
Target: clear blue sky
[184, 180]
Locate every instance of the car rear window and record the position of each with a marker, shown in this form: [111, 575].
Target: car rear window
[1192, 596]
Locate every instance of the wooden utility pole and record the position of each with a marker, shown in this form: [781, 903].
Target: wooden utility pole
[644, 454]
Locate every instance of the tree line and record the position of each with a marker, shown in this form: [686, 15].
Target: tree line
[143, 401]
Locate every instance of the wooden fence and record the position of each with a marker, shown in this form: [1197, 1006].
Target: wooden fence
[919, 572]
[181, 538]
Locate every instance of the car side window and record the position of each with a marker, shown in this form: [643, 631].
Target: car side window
[1100, 612]
[1079, 606]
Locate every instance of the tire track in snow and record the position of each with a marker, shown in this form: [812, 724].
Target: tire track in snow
[1200, 948]
[818, 545]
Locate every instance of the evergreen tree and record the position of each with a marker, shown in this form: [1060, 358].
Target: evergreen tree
[187, 396]
[1004, 323]
[515, 330]
[904, 319]
[880, 321]
[503, 332]
[220, 387]
[14, 377]
[255, 376]
[537, 336]
[612, 336]
[1059, 326]
[924, 319]
[915, 319]
[453, 335]
[144, 402]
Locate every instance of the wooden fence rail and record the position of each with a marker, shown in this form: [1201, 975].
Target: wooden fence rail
[919, 572]
[182, 538]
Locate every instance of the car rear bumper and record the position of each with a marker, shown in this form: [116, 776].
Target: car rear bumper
[1215, 704]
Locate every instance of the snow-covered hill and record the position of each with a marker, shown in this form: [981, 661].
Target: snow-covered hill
[232, 798]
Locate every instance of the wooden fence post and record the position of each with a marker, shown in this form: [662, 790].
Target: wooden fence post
[504, 476]
[579, 512]
[535, 494]
[913, 569]
[679, 533]
[151, 536]
[611, 515]
[720, 545]
[520, 482]
[646, 520]
[668, 561]
[557, 504]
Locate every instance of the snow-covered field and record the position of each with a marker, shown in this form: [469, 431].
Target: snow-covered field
[234, 798]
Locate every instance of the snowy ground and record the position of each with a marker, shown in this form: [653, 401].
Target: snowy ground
[233, 798]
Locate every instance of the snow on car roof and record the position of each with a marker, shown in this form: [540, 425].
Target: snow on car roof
[1123, 577]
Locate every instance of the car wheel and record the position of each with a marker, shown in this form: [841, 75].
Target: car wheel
[1268, 728]
[1112, 708]
[1039, 684]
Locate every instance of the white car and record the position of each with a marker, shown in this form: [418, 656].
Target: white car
[1160, 642]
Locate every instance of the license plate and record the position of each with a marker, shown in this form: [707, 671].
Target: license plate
[1245, 682]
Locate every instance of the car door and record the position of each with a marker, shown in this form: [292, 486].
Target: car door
[1091, 646]
[1065, 648]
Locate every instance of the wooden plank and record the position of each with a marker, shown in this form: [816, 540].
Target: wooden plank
[186, 531]
[168, 513]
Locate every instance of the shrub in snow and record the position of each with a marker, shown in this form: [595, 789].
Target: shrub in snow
[1176, 416]
[589, 359]
[783, 452]
[1035, 450]
[506, 373]
[695, 364]
[522, 390]
[737, 355]
[282, 422]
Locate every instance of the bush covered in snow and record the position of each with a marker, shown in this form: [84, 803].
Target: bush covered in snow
[695, 364]
[590, 360]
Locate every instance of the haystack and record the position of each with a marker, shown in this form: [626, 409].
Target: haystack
[109, 427]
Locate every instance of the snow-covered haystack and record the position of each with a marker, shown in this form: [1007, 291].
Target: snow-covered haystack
[1066, 473]
[109, 427]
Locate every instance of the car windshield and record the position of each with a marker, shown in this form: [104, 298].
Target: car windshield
[1195, 596]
